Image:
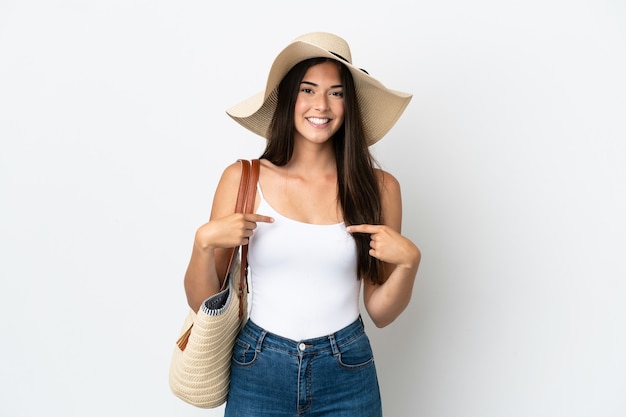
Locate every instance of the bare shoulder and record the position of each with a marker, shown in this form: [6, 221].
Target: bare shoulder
[269, 169]
[271, 177]
[389, 185]
[231, 174]
[226, 192]
[391, 199]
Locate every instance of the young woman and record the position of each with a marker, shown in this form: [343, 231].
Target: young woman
[327, 223]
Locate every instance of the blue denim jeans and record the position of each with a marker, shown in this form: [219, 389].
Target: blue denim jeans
[272, 376]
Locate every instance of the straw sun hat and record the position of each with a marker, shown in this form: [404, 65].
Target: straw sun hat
[380, 107]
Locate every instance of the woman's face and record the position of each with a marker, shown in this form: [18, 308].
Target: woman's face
[319, 109]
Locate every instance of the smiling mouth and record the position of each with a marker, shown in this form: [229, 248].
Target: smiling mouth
[318, 121]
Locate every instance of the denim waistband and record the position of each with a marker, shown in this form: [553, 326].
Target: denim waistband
[331, 342]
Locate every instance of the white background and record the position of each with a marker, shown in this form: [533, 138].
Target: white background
[511, 155]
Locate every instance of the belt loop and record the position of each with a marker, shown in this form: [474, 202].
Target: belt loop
[333, 344]
[260, 340]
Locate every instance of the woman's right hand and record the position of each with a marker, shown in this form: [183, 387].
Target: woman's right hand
[229, 231]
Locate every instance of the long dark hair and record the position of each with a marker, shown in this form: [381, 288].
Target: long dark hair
[357, 183]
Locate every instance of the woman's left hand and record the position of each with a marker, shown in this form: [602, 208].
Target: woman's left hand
[389, 246]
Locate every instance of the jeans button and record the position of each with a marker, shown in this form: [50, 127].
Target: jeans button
[301, 347]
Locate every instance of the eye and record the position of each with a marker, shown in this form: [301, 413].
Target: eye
[306, 90]
[338, 94]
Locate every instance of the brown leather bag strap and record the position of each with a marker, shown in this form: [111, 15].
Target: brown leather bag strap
[240, 206]
[249, 208]
[252, 183]
[246, 195]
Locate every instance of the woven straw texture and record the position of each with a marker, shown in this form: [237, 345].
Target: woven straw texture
[200, 374]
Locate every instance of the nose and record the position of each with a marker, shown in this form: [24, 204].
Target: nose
[321, 102]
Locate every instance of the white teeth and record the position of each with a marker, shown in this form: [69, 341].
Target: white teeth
[317, 121]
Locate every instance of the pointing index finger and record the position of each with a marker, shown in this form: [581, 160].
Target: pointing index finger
[361, 228]
[259, 218]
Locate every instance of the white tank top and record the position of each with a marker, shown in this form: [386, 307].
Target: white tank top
[302, 277]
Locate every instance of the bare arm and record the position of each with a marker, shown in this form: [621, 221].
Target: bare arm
[386, 301]
[225, 229]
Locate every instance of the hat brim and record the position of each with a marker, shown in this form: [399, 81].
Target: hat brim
[380, 107]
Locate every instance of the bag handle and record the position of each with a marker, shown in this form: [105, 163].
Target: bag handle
[239, 208]
[249, 208]
[246, 196]
[245, 204]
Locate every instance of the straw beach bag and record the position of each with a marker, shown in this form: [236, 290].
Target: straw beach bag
[200, 367]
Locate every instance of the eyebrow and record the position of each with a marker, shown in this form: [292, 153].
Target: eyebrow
[315, 85]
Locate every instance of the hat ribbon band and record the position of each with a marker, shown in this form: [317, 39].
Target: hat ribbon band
[343, 59]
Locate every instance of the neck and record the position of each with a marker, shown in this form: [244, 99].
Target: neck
[313, 159]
